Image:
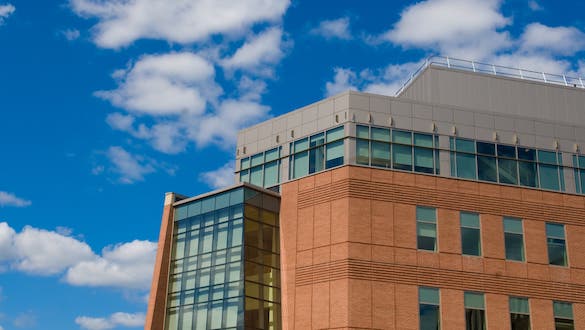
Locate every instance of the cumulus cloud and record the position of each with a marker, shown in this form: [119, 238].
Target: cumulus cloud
[5, 11]
[333, 29]
[122, 22]
[534, 6]
[42, 252]
[258, 53]
[460, 28]
[560, 40]
[25, 320]
[344, 79]
[219, 178]
[127, 265]
[168, 84]
[386, 81]
[115, 320]
[9, 199]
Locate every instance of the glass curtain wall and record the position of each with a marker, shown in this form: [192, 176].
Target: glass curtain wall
[225, 260]
[397, 149]
[316, 153]
[262, 169]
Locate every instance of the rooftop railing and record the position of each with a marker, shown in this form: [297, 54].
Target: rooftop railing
[497, 70]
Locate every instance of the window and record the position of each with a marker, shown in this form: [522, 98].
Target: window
[563, 312]
[470, 234]
[464, 158]
[507, 165]
[262, 169]
[519, 314]
[514, 239]
[426, 228]
[402, 150]
[474, 311]
[318, 152]
[555, 239]
[549, 170]
[429, 315]
[579, 171]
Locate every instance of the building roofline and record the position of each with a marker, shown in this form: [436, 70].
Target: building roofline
[219, 191]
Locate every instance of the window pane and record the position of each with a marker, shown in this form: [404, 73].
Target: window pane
[486, 168]
[335, 133]
[557, 252]
[380, 154]
[506, 151]
[301, 165]
[470, 220]
[512, 225]
[428, 214]
[316, 159]
[563, 310]
[256, 176]
[508, 171]
[380, 134]
[426, 236]
[514, 246]
[271, 174]
[563, 324]
[402, 157]
[401, 137]
[519, 321]
[363, 152]
[474, 319]
[363, 132]
[470, 241]
[335, 151]
[486, 148]
[271, 155]
[244, 163]
[423, 160]
[423, 140]
[528, 177]
[428, 296]
[473, 300]
[519, 305]
[526, 154]
[549, 176]
[547, 157]
[317, 140]
[429, 317]
[555, 230]
[465, 166]
[257, 159]
[465, 145]
[301, 145]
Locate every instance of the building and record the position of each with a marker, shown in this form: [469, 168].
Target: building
[458, 204]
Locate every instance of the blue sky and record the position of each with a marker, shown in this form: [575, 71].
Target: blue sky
[106, 105]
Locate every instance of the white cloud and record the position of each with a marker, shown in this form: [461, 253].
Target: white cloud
[258, 53]
[45, 252]
[343, 80]
[386, 81]
[122, 22]
[5, 11]
[219, 178]
[128, 265]
[331, 29]
[71, 34]
[162, 85]
[9, 199]
[42, 252]
[129, 167]
[114, 320]
[460, 28]
[554, 40]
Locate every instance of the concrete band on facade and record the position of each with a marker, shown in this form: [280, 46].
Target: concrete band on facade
[348, 234]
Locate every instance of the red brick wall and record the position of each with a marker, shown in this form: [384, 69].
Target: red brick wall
[349, 257]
